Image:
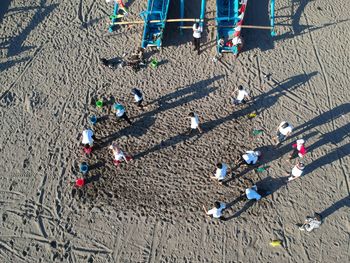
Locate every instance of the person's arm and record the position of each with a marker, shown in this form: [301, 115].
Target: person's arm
[247, 96]
[124, 157]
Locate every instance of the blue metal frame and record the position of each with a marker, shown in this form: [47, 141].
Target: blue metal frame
[114, 19]
[272, 17]
[226, 20]
[153, 32]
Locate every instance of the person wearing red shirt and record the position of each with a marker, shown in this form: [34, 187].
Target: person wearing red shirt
[299, 149]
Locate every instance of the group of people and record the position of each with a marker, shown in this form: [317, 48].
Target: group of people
[251, 158]
[88, 137]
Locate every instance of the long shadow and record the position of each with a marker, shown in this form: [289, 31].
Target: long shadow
[262, 102]
[9, 64]
[266, 187]
[175, 99]
[297, 28]
[15, 44]
[322, 119]
[257, 13]
[172, 34]
[334, 137]
[329, 158]
[336, 206]
[3, 8]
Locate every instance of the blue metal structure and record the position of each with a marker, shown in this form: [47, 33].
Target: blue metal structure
[114, 16]
[153, 32]
[227, 17]
[272, 17]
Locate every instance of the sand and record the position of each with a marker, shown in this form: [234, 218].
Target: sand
[150, 210]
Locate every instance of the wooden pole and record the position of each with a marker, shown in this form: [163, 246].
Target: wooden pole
[158, 21]
[242, 26]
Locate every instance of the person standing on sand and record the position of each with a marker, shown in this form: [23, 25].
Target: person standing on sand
[249, 158]
[298, 149]
[311, 223]
[138, 97]
[283, 131]
[242, 96]
[221, 172]
[118, 154]
[120, 112]
[252, 193]
[88, 138]
[297, 171]
[216, 211]
[194, 123]
[197, 34]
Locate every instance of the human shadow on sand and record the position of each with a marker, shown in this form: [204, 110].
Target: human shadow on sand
[266, 187]
[4, 8]
[297, 11]
[172, 33]
[257, 13]
[175, 99]
[15, 43]
[335, 155]
[345, 202]
[262, 102]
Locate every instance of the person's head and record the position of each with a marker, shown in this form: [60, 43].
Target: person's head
[191, 114]
[219, 165]
[196, 25]
[285, 125]
[300, 141]
[240, 87]
[301, 166]
[217, 205]
[318, 216]
[86, 146]
[258, 153]
[133, 90]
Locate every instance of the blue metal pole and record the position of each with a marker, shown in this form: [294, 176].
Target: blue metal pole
[272, 17]
[114, 19]
[235, 10]
[182, 13]
[202, 12]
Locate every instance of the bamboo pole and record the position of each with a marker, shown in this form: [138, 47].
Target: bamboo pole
[242, 26]
[158, 21]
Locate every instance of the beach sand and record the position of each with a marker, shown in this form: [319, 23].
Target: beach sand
[151, 210]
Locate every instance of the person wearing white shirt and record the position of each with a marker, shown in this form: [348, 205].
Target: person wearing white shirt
[216, 212]
[283, 131]
[119, 155]
[138, 97]
[120, 112]
[194, 123]
[197, 33]
[88, 137]
[297, 171]
[311, 223]
[242, 95]
[249, 158]
[221, 172]
[252, 193]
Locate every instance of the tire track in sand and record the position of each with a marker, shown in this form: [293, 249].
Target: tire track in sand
[329, 95]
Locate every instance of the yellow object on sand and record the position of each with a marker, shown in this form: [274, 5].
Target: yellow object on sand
[276, 243]
[251, 115]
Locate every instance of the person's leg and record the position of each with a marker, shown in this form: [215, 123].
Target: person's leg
[194, 43]
[190, 131]
[294, 154]
[199, 129]
[139, 104]
[198, 45]
[125, 117]
[240, 162]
